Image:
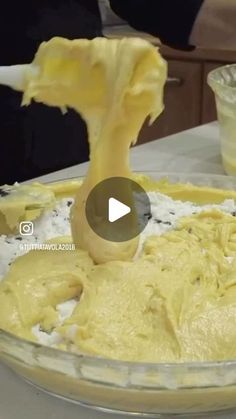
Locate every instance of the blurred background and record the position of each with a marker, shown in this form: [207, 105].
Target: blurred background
[189, 101]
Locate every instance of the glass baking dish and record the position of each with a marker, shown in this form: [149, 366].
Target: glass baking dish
[142, 389]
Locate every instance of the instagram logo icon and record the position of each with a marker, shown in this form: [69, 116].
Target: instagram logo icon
[26, 228]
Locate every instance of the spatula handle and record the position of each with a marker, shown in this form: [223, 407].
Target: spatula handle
[14, 75]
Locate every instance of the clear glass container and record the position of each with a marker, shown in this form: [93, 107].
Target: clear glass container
[223, 83]
[137, 389]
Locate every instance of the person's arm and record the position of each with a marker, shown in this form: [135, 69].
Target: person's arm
[170, 21]
[215, 26]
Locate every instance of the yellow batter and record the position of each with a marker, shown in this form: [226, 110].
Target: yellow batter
[115, 85]
[176, 302]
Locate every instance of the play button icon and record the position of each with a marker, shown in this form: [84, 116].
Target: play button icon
[117, 209]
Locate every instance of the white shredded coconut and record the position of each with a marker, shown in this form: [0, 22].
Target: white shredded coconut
[48, 339]
[65, 311]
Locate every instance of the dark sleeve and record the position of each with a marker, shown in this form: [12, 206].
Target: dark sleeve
[36, 140]
[169, 20]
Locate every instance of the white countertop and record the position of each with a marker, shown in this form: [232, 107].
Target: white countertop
[196, 150]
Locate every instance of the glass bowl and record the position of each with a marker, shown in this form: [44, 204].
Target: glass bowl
[223, 83]
[142, 389]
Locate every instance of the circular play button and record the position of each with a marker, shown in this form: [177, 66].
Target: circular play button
[118, 209]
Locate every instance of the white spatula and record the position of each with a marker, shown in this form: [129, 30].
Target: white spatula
[14, 76]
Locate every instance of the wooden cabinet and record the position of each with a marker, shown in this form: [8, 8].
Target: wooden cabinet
[182, 102]
[189, 100]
